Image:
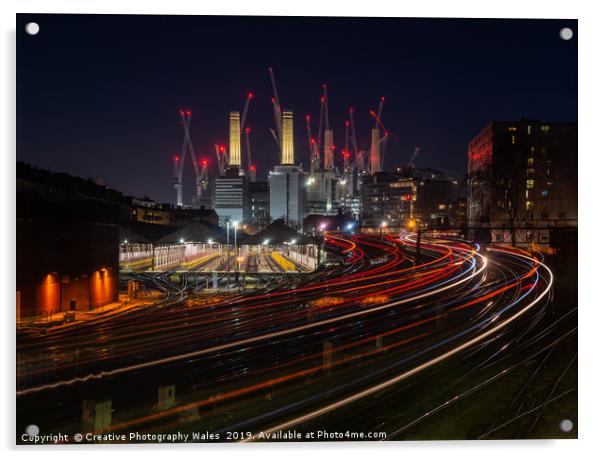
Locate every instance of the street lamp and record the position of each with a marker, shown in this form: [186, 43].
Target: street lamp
[382, 226]
[235, 224]
[228, 255]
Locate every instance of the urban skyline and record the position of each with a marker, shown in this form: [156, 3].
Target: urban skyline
[427, 103]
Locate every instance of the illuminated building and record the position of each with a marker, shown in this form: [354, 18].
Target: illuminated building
[235, 139]
[288, 151]
[287, 192]
[259, 204]
[520, 174]
[320, 189]
[425, 195]
[149, 212]
[231, 197]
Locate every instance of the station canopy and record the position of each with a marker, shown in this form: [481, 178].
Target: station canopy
[277, 232]
[195, 232]
[128, 236]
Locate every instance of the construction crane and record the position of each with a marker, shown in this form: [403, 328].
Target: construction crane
[276, 133]
[379, 112]
[222, 159]
[179, 161]
[360, 160]
[177, 177]
[204, 174]
[410, 163]
[252, 169]
[245, 110]
[328, 134]
[243, 120]
[314, 151]
[379, 143]
[346, 154]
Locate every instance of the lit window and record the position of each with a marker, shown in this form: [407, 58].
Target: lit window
[529, 205]
[527, 194]
[530, 183]
[513, 140]
[530, 161]
[512, 128]
[530, 171]
[544, 193]
[529, 129]
[441, 206]
[545, 129]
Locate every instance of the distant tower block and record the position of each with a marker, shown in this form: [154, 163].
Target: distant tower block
[375, 151]
[235, 139]
[328, 150]
[288, 152]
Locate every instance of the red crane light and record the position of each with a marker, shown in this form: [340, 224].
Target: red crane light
[250, 95]
[176, 157]
[252, 168]
[247, 130]
[189, 113]
[204, 162]
[307, 117]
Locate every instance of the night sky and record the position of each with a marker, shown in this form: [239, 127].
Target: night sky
[98, 96]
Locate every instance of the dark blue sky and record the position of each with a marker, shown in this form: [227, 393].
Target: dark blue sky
[97, 96]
